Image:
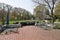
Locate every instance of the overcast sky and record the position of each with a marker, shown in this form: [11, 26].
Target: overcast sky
[26, 4]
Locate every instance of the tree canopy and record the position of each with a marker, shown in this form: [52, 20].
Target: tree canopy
[40, 11]
[8, 12]
[57, 10]
[50, 4]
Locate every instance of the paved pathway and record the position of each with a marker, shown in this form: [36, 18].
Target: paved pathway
[32, 33]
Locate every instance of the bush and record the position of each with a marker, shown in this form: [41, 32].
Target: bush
[23, 23]
[27, 23]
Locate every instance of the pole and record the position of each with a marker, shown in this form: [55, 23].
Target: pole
[7, 18]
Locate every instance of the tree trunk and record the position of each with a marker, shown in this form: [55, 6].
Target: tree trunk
[52, 17]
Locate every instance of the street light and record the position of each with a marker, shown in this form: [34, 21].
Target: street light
[7, 15]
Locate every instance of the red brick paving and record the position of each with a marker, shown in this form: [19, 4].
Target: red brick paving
[32, 33]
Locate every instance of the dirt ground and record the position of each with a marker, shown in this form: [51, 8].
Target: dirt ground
[32, 33]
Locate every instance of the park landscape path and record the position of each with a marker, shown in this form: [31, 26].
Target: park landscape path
[32, 33]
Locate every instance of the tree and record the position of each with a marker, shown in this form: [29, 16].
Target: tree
[57, 11]
[26, 15]
[20, 14]
[13, 15]
[50, 4]
[40, 11]
[2, 13]
[7, 15]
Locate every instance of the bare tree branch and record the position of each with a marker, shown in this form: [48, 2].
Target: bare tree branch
[37, 2]
[48, 3]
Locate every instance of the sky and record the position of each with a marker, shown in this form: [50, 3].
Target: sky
[25, 4]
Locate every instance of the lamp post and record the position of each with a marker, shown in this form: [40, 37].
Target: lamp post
[7, 15]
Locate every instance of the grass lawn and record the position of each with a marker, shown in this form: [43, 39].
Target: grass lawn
[11, 22]
[57, 26]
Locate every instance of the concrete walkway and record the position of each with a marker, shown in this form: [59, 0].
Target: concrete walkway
[32, 33]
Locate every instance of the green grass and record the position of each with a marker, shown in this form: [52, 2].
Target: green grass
[57, 20]
[57, 26]
[11, 22]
